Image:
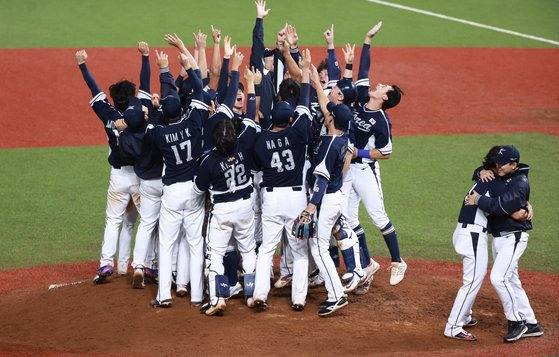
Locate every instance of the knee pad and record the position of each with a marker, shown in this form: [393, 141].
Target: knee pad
[249, 284]
[221, 286]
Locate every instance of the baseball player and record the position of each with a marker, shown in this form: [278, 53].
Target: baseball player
[510, 240]
[226, 173]
[327, 176]
[280, 154]
[373, 142]
[180, 143]
[123, 182]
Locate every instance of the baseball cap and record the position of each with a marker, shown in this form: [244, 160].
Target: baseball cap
[171, 106]
[134, 115]
[268, 52]
[282, 112]
[506, 154]
[348, 89]
[342, 115]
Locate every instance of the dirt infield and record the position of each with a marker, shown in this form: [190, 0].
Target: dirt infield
[448, 91]
[402, 320]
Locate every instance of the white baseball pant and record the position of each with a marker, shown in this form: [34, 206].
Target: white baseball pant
[330, 211]
[181, 208]
[126, 232]
[150, 199]
[280, 207]
[470, 242]
[507, 250]
[123, 184]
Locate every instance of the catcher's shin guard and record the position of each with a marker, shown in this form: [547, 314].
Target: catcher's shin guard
[221, 286]
[335, 255]
[349, 245]
[249, 284]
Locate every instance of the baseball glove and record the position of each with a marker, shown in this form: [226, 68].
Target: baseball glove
[304, 226]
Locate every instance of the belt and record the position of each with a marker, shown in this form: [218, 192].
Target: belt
[294, 188]
[465, 225]
[503, 234]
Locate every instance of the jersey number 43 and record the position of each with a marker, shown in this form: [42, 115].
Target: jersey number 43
[279, 164]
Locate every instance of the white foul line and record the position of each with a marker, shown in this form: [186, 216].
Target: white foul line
[424, 12]
[55, 286]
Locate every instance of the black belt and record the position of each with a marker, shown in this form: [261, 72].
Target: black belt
[294, 188]
[465, 225]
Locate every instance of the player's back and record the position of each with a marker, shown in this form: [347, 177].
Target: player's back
[473, 214]
[328, 161]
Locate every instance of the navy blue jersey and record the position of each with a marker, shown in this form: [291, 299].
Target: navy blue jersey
[473, 214]
[328, 161]
[371, 129]
[180, 143]
[515, 198]
[228, 177]
[280, 155]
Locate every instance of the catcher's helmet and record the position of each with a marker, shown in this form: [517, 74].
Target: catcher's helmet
[348, 89]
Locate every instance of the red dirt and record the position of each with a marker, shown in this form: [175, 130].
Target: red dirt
[448, 91]
[401, 320]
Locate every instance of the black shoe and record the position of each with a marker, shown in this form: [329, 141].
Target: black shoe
[260, 304]
[205, 307]
[473, 321]
[331, 306]
[298, 307]
[516, 330]
[534, 330]
[164, 303]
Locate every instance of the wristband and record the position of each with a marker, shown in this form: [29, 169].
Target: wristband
[477, 200]
[363, 153]
[349, 66]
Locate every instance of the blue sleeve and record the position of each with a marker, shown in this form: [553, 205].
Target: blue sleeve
[251, 106]
[89, 80]
[223, 79]
[202, 179]
[179, 81]
[319, 190]
[231, 95]
[305, 95]
[362, 82]
[196, 83]
[296, 55]
[507, 203]
[333, 69]
[382, 137]
[167, 84]
[145, 74]
[257, 50]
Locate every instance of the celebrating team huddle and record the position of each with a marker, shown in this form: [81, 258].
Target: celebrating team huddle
[221, 176]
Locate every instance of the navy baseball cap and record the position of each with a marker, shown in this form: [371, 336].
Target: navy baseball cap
[282, 112]
[268, 52]
[342, 115]
[506, 154]
[348, 89]
[171, 106]
[134, 115]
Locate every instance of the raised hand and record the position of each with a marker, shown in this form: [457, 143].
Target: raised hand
[329, 36]
[237, 60]
[305, 61]
[375, 29]
[284, 47]
[200, 40]
[143, 48]
[292, 36]
[315, 79]
[227, 49]
[248, 76]
[174, 41]
[120, 125]
[81, 56]
[257, 76]
[281, 34]
[261, 10]
[161, 59]
[184, 60]
[216, 34]
[349, 53]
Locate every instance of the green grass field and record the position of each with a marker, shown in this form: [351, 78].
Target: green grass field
[104, 23]
[53, 207]
[55, 211]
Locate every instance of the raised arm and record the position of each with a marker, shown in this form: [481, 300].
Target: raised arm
[322, 98]
[145, 72]
[304, 95]
[364, 65]
[251, 98]
[257, 50]
[81, 58]
[193, 77]
[231, 95]
[292, 67]
[333, 69]
[349, 54]
[224, 73]
[175, 41]
[215, 66]
[200, 40]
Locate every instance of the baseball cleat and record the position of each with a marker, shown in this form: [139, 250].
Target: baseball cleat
[283, 281]
[516, 330]
[534, 330]
[138, 279]
[397, 270]
[298, 307]
[182, 290]
[473, 321]
[216, 309]
[174, 279]
[315, 280]
[164, 303]
[346, 278]
[364, 288]
[372, 268]
[102, 274]
[250, 302]
[354, 282]
[196, 303]
[260, 304]
[152, 274]
[123, 268]
[329, 307]
[235, 290]
[464, 336]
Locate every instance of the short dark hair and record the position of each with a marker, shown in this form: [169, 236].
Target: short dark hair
[322, 66]
[224, 136]
[120, 92]
[488, 162]
[241, 87]
[289, 90]
[394, 97]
